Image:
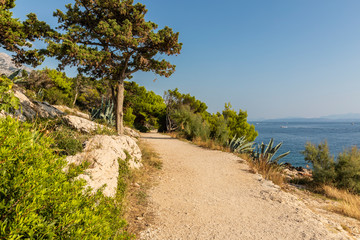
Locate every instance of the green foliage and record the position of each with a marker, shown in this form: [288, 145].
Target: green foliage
[192, 125]
[112, 40]
[218, 129]
[342, 173]
[66, 141]
[174, 99]
[16, 36]
[147, 107]
[238, 125]
[266, 153]
[323, 163]
[38, 200]
[8, 101]
[129, 117]
[348, 170]
[50, 85]
[240, 145]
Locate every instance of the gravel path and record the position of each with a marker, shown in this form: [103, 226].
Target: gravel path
[206, 194]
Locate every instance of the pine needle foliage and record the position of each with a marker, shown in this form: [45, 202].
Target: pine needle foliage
[111, 39]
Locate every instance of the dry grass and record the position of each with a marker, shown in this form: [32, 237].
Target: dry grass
[210, 144]
[269, 171]
[138, 215]
[348, 203]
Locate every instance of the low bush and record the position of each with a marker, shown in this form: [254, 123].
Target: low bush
[343, 173]
[322, 162]
[40, 201]
[192, 125]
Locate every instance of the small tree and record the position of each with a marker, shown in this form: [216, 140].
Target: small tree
[16, 36]
[111, 39]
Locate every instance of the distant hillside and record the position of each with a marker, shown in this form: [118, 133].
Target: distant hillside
[7, 66]
[349, 117]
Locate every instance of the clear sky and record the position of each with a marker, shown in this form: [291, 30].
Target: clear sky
[273, 58]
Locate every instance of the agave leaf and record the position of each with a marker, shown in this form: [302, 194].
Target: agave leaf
[281, 156]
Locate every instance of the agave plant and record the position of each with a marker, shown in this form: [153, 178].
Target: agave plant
[105, 112]
[267, 152]
[240, 145]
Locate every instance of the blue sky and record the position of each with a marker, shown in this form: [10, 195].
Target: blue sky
[273, 58]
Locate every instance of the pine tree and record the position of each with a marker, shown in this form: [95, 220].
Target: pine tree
[111, 39]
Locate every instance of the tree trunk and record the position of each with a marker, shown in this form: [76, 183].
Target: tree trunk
[119, 107]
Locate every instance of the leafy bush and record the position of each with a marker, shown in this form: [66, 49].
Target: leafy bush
[50, 85]
[143, 109]
[8, 101]
[66, 141]
[190, 124]
[347, 170]
[219, 131]
[38, 200]
[238, 125]
[323, 163]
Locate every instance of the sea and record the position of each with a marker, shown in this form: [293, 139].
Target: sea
[294, 135]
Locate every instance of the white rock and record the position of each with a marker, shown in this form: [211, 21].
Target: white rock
[103, 153]
[131, 132]
[82, 124]
[32, 109]
[7, 66]
[72, 111]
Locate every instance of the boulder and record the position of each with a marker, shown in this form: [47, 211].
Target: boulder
[103, 153]
[72, 111]
[32, 109]
[131, 132]
[82, 124]
[87, 126]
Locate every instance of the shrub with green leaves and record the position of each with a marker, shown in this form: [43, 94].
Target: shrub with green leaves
[348, 170]
[192, 125]
[8, 101]
[322, 162]
[38, 200]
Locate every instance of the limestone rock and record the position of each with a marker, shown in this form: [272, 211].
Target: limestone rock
[32, 109]
[131, 132]
[82, 124]
[72, 111]
[7, 66]
[103, 153]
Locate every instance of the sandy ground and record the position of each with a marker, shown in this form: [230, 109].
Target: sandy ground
[206, 194]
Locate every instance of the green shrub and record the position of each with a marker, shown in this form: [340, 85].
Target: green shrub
[348, 170]
[238, 125]
[323, 163]
[66, 142]
[192, 125]
[219, 131]
[40, 201]
[8, 101]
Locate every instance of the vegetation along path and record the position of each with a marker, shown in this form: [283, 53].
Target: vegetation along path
[207, 194]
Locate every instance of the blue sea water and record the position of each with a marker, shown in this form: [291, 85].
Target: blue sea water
[340, 136]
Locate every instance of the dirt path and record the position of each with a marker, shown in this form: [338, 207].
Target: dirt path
[206, 194]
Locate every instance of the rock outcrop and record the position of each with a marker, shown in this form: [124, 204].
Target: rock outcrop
[87, 126]
[32, 109]
[82, 124]
[103, 152]
[7, 66]
[72, 111]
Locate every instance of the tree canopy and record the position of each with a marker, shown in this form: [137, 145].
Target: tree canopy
[111, 39]
[17, 36]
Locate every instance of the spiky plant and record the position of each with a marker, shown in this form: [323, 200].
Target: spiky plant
[267, 152]
[105, 112]
[240, 145]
